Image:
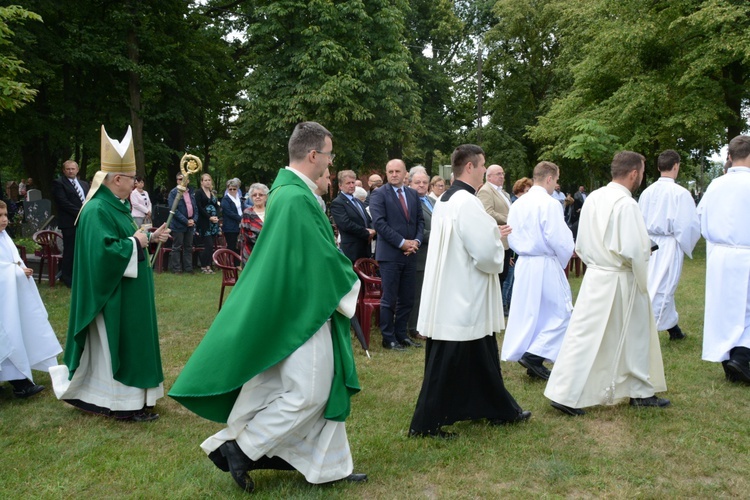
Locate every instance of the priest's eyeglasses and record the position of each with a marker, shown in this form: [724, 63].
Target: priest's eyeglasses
[331, 154]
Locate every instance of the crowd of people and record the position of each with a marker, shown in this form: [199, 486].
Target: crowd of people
[449, 255]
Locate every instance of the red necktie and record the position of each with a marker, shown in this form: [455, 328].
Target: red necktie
[403, 203]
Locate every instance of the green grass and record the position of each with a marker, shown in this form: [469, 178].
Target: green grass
[699, 447]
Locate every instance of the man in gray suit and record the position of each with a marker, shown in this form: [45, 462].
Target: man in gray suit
[420, 182]
[496, 202]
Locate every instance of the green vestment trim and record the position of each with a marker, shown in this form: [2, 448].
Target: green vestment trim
[103, 250]
[292, 284]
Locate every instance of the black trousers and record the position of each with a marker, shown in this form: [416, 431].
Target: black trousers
[69, 245]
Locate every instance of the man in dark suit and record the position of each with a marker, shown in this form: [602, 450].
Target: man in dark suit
[69, 194]
[580, 198]
[373, 182]
[420, 182]
[397, 218]
[351, 218]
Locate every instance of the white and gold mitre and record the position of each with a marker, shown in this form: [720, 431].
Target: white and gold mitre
[118, 156]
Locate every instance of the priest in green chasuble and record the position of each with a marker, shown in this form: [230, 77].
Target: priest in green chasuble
[112, 359]
[277, 365]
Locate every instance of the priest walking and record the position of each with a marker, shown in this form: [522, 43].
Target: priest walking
[723, 216]
[112, 357]
[277, 365]
[461, 309]
[544, 244]
[611, 348]
[672, 223]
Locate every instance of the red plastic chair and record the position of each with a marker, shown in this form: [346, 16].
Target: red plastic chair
[50, 243]
[160, 263]
[370, 294]
[224, 259]
[575, 263]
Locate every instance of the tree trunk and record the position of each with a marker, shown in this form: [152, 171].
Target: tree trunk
[134, 88]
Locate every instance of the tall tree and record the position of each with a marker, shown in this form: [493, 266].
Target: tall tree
[520, 74]
[342, 63]
[653, 75]
[13, 93]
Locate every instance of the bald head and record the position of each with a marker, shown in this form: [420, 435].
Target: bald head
[495, 175]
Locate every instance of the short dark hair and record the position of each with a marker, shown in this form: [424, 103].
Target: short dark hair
[739, 147]
[307, 136]
[625, 162]
[667, 160]
[138, 178]
[544, 169]
[462, 155]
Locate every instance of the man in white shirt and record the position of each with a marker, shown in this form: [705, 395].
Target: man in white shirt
[544, 244]
[558, 194]
[672, 223]
[611, 349]
[723, 216]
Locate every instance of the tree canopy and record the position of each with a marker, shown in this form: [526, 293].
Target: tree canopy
[570, 81]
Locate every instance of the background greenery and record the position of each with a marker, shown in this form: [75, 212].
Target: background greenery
[570, 81]
[697, 448]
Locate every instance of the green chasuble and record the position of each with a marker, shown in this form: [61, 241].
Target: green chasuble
[103, 250]
[292, 284]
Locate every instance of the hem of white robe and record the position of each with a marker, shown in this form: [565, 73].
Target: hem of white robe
[93, 381]
[329, 447]
[8, 370]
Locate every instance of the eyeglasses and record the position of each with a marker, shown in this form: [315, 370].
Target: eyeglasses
[128, 176]
[329, 153]
[256, 195]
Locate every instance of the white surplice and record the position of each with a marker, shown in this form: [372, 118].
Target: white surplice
[93, 381]
[723, 212]
[544, 244]
[611, 348]
[27, 341]
[672, 222]
[280, 412]
[465, 248]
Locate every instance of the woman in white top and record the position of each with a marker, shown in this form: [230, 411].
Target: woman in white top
[140, 203]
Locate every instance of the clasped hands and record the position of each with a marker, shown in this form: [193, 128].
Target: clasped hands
[410, 246]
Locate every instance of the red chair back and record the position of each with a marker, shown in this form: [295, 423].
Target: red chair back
[225, 260]
[369, 272]
[48, 240]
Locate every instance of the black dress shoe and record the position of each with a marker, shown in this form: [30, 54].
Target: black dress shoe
[356, 478]
[144, 416]
[675, 333]
[740, 371]
[28, 390]
[535, 370]
[652, 402]
[239, 465]
[573, 412]
[522, 416]
[394, 346]
[438, 434]
[728, 374]
[407, 342]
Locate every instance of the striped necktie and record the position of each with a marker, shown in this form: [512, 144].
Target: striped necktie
[78, 190]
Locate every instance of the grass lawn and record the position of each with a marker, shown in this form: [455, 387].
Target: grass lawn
[699, 447]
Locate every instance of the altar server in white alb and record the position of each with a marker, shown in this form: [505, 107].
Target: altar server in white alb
[611, 349]
[27, 341]
[544, 244]
[461, 309]
[672, 223]
[723, 213]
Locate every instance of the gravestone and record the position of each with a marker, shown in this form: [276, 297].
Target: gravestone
[36, 216]
[33, 195]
